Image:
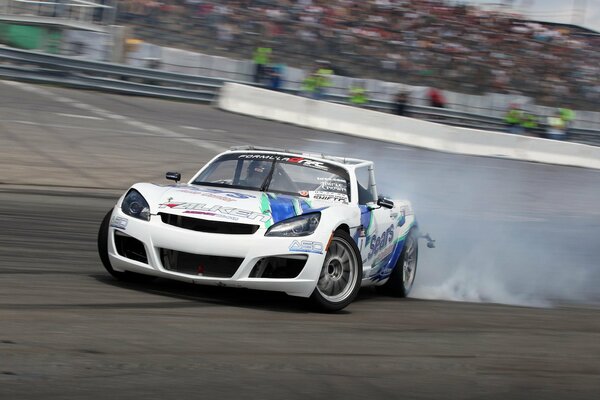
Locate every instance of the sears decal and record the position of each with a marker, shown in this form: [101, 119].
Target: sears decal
[306, 246]
[292, 160]
[378, 243]
[220, 211]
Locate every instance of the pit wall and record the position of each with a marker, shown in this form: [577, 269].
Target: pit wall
[301, 111]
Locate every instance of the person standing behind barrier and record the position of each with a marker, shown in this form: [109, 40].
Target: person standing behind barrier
[436, 98]
[261, 60]
[309, 85]
[514, 119]
[358, 95]
[556, 127]
[400, 103]
[568, 116]
[529, 123]
[323, 80]
[275, 72]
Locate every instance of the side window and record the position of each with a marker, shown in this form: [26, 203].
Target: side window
[362, 178]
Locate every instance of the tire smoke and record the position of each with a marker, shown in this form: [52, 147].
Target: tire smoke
[506, 232]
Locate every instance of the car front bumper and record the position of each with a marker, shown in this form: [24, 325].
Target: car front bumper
[159, 239]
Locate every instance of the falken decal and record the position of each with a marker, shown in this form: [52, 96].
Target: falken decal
[231, 217]
[221, 211]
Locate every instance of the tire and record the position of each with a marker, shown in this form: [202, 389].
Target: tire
[103, 252]
[403, 275]
[341, 275]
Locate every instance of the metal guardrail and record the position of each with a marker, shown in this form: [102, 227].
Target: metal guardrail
[46, 68]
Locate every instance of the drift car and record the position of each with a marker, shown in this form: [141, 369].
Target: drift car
[308, 225]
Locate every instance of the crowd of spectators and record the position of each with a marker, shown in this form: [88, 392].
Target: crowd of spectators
[418, 42]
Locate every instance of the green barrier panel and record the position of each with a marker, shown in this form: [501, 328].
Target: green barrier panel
[26, 37]
[30, 37]
[4, 33]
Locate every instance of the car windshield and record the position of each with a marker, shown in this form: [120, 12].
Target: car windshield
[275, 173]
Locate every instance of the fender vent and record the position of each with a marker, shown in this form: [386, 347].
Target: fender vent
[279, 267]
[130, 247]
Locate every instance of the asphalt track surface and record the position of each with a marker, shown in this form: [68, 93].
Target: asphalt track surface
[511, 232]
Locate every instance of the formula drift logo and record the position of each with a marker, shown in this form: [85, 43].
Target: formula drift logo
[219, 211]
[292, 160]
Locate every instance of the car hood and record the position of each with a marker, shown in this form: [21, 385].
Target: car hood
[227, 204]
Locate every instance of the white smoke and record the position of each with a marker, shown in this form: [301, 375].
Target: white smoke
[505, 233]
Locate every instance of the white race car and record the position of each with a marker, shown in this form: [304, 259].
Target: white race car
[304, 224]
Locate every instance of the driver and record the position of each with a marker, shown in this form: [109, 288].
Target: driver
[256, 173]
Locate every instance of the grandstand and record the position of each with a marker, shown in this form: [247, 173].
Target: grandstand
[430, 43]
[451, 46]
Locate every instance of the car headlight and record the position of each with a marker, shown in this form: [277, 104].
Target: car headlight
[135, 205]
[303, 225]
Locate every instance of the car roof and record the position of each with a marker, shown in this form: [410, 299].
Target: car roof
[342, 161]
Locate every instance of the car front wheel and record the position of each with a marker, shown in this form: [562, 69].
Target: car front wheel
[341, 274]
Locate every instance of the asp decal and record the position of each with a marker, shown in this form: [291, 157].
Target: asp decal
[118, 222]
[306, 246]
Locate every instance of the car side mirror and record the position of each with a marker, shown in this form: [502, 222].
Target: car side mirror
[173, 176]
[383, 202]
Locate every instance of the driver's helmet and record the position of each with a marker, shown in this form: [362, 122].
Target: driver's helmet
[256, 172]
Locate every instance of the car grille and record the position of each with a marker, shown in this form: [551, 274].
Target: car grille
[203, 225]
[198, 264]
[130, 247]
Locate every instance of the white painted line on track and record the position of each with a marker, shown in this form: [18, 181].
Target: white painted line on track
[79, 116]
[191, 128]
[21, 122]
[203, 143]
[396, 148]
[75, 127]
[63, 99]
[323, 141]
[164, 132]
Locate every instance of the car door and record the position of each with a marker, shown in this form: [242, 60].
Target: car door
[376, 238]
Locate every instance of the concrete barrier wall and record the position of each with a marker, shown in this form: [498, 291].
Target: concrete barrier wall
[354, 121]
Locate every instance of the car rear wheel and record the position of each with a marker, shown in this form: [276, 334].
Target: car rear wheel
[103, 252]
[403, 276]
[341, 274]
